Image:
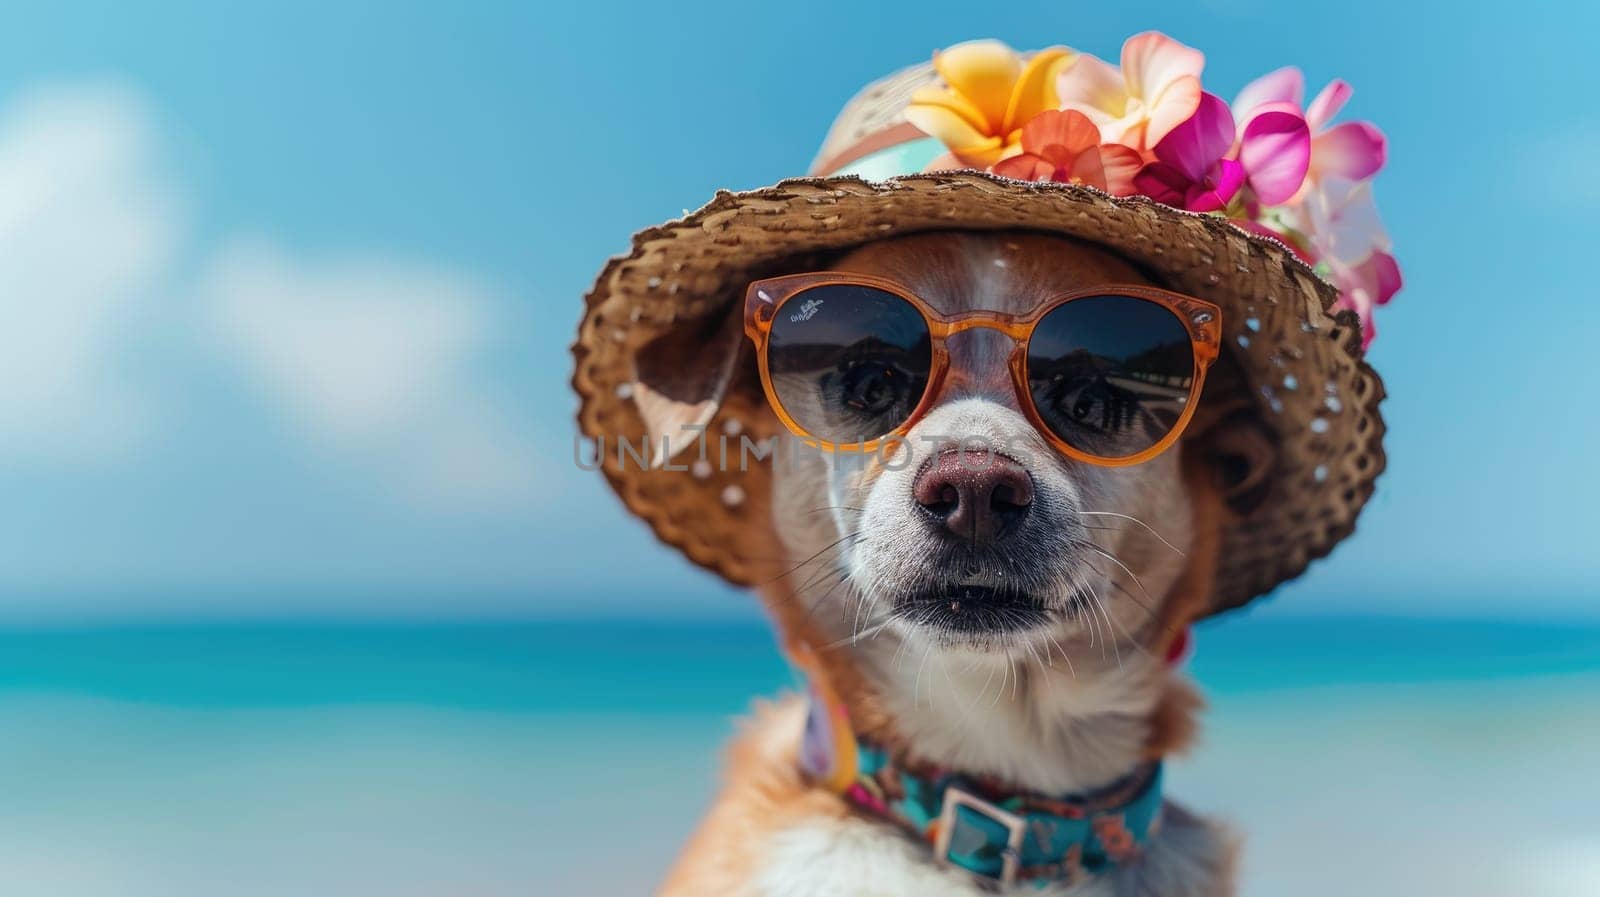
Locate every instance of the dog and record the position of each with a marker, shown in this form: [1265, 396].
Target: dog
[1013, 617]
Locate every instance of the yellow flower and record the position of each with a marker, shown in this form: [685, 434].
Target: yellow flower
[992, 93]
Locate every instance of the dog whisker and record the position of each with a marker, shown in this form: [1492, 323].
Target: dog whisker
[1111, 626]
[1029, 645]
[1129, 517]
[916, 687]
[1005, 675]
[1072, 672]
[1150, 612]
[854, 637]
[899, 654]
[984, 689]
[819, 553]
[1115, 560]
[1132, 639]
[819, 576]
[842, 579]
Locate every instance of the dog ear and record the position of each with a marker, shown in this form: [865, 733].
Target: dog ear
[1235, 444]
[1242, 453]
[681, 378]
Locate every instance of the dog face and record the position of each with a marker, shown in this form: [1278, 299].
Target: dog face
[974, 535]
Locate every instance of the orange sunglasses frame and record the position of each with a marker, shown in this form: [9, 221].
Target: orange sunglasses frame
[1201, 320]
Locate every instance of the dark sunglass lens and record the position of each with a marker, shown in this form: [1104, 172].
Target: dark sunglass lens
[849, 363]
[1110, 375]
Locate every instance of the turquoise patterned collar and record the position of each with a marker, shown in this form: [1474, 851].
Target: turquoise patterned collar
[999, 836]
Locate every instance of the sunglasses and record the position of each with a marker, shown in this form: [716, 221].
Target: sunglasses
[1110, 374]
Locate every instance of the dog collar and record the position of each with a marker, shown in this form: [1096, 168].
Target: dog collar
[975, 824]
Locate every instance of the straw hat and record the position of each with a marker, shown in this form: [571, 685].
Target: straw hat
[660, 345]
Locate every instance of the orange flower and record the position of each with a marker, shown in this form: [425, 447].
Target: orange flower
[991, 93]
[1066, 147]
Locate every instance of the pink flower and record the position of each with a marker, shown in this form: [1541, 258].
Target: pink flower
[1353, 151]
[1367, 285]
[1342, 225]
[1285, 86]
[1066, 147]
[1157, 88]
[1333, 212]
[1274, 142]
[1191, 170]
[1275, 150]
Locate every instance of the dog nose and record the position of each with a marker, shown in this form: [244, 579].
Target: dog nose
[980, 496]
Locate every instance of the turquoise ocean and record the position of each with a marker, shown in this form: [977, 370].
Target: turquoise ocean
[1360, 756]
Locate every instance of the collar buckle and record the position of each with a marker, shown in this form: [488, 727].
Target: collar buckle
[969, 837]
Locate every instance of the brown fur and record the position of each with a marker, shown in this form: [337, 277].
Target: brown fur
[763, 791]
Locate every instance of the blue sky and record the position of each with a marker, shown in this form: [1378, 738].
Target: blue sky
[287, 292]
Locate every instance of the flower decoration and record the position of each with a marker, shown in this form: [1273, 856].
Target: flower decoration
[1271, 164]
[1065, 146]
[992, 93]
[1157, 88]
[1353, 150]
[1349, 243]
[1191, 169]
[1333, 213]
[1275, 148]
[1275, 140]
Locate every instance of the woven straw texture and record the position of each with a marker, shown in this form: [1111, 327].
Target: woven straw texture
[1303, 361]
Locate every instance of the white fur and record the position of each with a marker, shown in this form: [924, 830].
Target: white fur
[1063, 709]
[1042, 726]
[1063, 713]
[1060, 711]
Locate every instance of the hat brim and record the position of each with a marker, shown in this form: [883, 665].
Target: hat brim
[1302, 360]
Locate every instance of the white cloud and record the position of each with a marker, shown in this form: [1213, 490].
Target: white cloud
[89, 230]
[374, 362]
